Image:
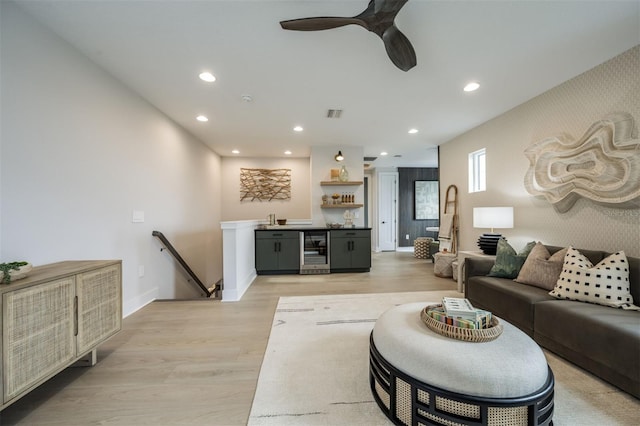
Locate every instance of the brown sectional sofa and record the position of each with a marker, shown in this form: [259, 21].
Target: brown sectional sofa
[603, 340]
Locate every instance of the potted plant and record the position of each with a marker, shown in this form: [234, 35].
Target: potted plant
[14, 270]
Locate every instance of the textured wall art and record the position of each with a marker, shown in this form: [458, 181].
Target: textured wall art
[426, 199]
[602, 166]
[265, 184]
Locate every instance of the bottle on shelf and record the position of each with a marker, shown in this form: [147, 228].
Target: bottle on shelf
[343, 175]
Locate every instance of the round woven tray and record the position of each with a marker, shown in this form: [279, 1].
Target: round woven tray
[465, 334]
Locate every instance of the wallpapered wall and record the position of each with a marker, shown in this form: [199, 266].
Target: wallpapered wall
[568, 109]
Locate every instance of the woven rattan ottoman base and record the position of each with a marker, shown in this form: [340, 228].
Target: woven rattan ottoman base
[407, 401]
[421, 377]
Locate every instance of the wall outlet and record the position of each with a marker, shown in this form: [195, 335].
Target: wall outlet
[141, 271]
[406, 237]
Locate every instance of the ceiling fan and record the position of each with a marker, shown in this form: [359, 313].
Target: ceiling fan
[378, 18]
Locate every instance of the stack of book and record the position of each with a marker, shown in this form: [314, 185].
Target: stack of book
[459, 312]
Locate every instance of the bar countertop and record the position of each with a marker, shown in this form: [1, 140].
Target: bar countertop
[307, 228]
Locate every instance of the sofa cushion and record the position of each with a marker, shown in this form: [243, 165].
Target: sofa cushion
[607, 283]
[594, 256]
[603, 340]
[506, 299]
[541, 269]
[508, 262]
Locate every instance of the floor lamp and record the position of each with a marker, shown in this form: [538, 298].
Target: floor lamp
[491, 217]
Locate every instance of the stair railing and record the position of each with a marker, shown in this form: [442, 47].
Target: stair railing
[182, 262]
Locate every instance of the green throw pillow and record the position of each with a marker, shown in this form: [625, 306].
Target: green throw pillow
[508, 263]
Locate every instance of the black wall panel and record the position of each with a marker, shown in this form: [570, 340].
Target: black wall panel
[407, 225]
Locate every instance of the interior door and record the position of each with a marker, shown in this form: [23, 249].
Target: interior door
[387, 210]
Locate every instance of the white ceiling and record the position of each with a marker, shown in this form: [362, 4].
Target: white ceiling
[515, 49]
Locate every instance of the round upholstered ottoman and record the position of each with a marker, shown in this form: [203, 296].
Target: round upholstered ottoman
[418, 376]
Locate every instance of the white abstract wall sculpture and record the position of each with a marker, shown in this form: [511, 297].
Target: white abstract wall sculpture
[603, 166]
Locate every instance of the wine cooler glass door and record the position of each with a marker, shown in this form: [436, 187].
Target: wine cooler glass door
[314, 258]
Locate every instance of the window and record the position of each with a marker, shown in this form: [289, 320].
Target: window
[477, 171]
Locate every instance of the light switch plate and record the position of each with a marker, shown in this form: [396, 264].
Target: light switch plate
[138, 216]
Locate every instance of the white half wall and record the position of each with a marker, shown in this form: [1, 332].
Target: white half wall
[239, 258]
[81, 152]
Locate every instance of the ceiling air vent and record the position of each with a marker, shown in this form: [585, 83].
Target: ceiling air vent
[370, 158]
[334, 113]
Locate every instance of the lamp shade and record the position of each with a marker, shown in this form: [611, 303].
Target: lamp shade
[493, 217]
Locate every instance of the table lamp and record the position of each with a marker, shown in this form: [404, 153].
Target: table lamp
[491, 217]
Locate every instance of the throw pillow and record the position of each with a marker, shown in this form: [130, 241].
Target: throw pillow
[607, 283]
[508, 263]
[541, 269]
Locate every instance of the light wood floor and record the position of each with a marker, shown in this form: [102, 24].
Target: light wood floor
[197, 362]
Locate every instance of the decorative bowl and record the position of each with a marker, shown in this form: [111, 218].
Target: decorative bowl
[282, 221]
[465, 334]
[16, 274]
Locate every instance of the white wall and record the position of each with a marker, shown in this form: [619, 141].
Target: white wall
[80, 152]
[570, 108]
[306, 192]
[298, 207]
[322, 161]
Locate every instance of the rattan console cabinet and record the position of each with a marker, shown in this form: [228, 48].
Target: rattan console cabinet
[56, 317]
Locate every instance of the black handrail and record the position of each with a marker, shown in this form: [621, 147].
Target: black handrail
[181, 261]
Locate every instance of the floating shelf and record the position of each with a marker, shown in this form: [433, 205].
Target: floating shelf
[341, 206]
[340, 183]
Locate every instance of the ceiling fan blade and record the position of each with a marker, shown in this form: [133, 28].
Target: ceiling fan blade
[387, 5]
[378, 18]
[399, 49]
[319, 23]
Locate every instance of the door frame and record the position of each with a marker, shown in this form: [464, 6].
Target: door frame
[387, 204]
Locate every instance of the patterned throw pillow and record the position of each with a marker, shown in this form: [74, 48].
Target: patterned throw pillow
[541, 269]
[607, 283]
[508, 263]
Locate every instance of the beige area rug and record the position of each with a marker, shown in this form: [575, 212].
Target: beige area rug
[315, 369]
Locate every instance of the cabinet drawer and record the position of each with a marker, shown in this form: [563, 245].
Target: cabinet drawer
[280, 235]
[350, 233]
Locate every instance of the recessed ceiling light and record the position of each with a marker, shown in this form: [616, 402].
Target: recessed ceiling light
[202, 118]
[235, 151]
[207, 76]
[470, 87]
[287, 152]
[413, 131]
[384, 153]
[298, 129]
